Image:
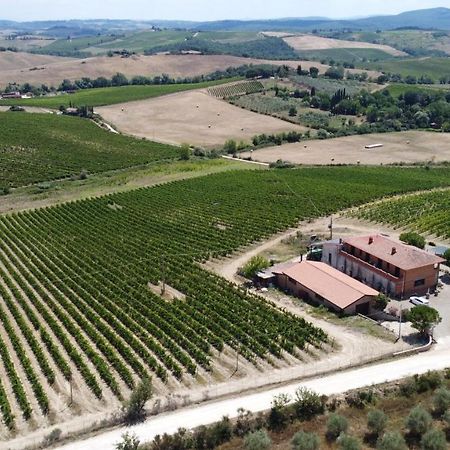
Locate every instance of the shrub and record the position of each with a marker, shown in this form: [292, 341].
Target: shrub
[305, 441]
[418, 421]
[392, 441]
[446, 256]
[307, 404]
[129, 442]
[336, 424]
[412, 238]
[441, 401]
[254, 265]
[376, 421]
[52, 437]
[428, 381]
[279, 413]
[348, 442]
[433, 440]
[185, 152]
[133, 409]
[258, 440]
[381, 301]
[230, 147]
[446, 417]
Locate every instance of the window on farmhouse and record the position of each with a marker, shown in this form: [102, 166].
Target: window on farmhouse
[420, 282]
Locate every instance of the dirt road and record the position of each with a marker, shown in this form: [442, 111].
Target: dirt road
[436, 359]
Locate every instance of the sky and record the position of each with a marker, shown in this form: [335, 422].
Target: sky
[204, 10]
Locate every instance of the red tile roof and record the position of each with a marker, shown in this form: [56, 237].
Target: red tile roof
[404, 256]
[331, 284]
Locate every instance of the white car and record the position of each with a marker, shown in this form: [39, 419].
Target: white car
[419, 300]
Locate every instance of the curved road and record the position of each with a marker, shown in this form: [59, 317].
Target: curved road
[437, 358]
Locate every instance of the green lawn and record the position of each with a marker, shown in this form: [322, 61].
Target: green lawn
[41, 147]
[111, 95]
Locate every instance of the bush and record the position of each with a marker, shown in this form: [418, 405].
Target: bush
[376, 421]
[305, 441]
[441, 401]
[433, 440]
[418, 421]
[133, 409]
[427, 382]
[392, 441]
[52, 437]
[381, 301]
[446, 256]
[254, 265]
[412, 238]
[258, 440]
[185, 152]
[129, 442]
[307, 404]
[348, 442]
[336, 425]
[230, 147]
[279, 413]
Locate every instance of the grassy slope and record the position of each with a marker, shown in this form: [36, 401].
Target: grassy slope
[55, 192]
[111, 95]
[398, 89]
[40, 147]
[345, 54]
[433, 67]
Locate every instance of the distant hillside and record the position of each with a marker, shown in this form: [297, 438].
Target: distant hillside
[437, 18]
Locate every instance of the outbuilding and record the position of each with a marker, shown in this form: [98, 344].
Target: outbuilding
[323, 285]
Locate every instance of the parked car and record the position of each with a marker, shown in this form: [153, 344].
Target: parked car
[419, 300]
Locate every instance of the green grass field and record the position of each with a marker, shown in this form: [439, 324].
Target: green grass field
[111, 95]
[350, 55]
[396, 89]
[138, 42]
[82, 44]
[433, 67]
[42, 147]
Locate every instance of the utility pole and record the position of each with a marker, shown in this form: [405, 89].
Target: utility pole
[163, 275]
[331, 228]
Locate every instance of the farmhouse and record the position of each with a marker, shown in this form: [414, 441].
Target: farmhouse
[324, 285]
[11, 95]
[385, 264]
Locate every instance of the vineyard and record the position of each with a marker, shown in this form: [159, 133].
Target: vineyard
[75, 304]
[42, 147]
[236, 89]
[109, 95]
[427, 213]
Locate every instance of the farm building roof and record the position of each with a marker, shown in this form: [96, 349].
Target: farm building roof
[394, 252]
[331, 284]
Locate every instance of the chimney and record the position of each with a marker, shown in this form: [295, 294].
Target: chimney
[393, 251]
[370, 240]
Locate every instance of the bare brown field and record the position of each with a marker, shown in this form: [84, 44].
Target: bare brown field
[16, 61]
[192, 117]
[57, 69]
[308, 42]
[423, 146]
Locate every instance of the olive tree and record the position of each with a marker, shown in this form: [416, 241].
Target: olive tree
[441, 400]
[376, 421]
[392, 441]
[336, 425]
[418, 421]
[434, 440]
[258, 440]
[305, 441]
